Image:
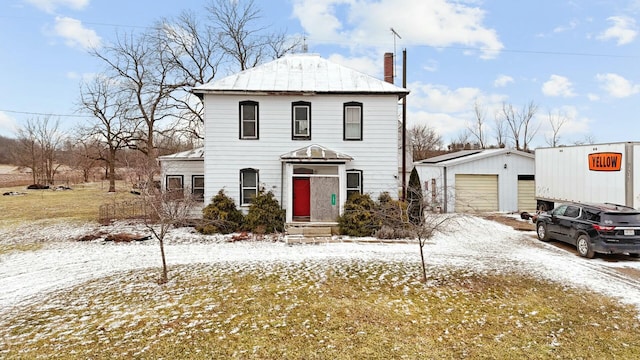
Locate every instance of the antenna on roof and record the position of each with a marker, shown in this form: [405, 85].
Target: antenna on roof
[395, 34]
[305, 48]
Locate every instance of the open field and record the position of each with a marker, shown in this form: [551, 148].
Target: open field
[80, 204]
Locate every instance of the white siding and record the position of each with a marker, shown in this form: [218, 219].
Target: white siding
[185, 168]
[488, 165]
[226, 154]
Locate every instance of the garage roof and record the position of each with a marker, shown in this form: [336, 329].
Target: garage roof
[463, 156]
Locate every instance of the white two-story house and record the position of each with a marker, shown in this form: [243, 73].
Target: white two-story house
[307, 129]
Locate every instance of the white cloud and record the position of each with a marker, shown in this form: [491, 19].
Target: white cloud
[445, 125]
[51, 5]
[75, 34]
[562, 28]
[430, 66]
[617, 86]
[593, 97]
[448, 111]
[85, 77]
[8, 126]
[558, 86]
[502, 81]
[436, 23]
[439, 98]
[623, 30]
[574, 128]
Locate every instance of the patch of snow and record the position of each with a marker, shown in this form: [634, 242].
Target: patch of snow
[476, 244]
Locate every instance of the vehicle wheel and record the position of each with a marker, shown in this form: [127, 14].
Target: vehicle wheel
[541, 229]
[634, 255]
[583, 244]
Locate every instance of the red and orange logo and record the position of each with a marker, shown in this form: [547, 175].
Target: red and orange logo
[605, 161]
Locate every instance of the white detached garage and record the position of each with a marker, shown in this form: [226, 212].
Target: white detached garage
[479, 180]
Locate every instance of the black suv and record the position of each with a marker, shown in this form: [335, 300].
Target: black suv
[593, 228]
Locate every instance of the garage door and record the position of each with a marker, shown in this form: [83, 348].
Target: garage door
[476, 193]
[526, 193]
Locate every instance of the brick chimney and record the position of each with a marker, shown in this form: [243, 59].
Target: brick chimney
[388, 67]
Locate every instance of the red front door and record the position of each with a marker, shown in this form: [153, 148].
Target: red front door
[301, 197]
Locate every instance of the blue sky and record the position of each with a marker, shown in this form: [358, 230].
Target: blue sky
[575, 58]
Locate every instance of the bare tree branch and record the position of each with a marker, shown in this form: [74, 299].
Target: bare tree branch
[424, 140]
[556, 121]
[477, 128]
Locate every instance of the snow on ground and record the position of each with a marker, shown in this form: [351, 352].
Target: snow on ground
[476, 244]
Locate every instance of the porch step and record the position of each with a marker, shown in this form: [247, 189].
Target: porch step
[311, 229]
[301, 239]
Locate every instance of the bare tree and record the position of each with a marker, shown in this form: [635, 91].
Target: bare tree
[39, 140]
[520, 124]
[103, 99]
[83, 155]
[146, 78]
[463, 142]
[477, 128]
[242, 38]
[424, 140]
[193, 47]
[500, 130]
[556, 121]
[156, 68]
[588, 139]
[419, 218]
[165, 210]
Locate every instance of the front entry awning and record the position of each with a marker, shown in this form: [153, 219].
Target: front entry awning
[315, 153]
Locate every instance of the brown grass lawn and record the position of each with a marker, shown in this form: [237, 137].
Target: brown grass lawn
[81, 203]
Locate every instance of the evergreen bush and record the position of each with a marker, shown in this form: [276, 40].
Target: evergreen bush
[265, 214]
[415, 199]
[358, 218]
[220, 216]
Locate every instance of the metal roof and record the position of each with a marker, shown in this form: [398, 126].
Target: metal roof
[300, 73]
[449, 156]
[315, 153]
[193, 154]
[463, 156]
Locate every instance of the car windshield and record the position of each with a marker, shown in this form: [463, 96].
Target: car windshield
[621, 218]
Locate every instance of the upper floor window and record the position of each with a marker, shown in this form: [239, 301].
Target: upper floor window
[248, 186]
[197, 187]
[301, 120]
[353, 121]
[248, 120]
[354, 182]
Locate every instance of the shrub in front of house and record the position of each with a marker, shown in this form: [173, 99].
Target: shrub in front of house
[220, 216]
[358, 218]
[265, 215]
[392, 218]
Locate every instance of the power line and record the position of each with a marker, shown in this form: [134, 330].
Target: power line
[43, 114]
[83, 22]
[539, 52]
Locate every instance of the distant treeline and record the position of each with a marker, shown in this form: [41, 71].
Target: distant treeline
[6, 146]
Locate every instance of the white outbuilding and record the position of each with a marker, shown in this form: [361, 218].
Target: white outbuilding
[479, 181]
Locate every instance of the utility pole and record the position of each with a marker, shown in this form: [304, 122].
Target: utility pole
[404, 126]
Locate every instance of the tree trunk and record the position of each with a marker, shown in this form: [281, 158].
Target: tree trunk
[163, 277]
[112, 170]
[424, 268]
